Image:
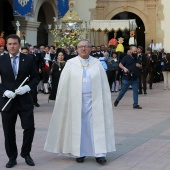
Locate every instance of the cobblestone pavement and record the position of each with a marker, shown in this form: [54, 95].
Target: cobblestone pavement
[142, 136]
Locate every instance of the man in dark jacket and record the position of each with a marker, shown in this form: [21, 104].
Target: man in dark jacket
[14, 68]
[143, 71]
[130, 66]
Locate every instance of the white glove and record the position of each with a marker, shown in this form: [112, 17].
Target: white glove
[22, 90]
[49, 80]
[9, 94]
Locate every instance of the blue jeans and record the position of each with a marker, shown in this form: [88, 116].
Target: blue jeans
[125, 87]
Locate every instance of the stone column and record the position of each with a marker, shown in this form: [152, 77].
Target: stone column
[105, 38]
[151, 23]
[29, 27]
[147, 40]
[100, 15]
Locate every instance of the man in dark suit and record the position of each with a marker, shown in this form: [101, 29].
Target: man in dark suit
[45, 66]
[14, 68]
[98, 52]
[143, 71]
[37, 60]
[151, 66]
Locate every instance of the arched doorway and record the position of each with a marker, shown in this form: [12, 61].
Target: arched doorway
[42, 35]
[140, 31]
[45, 16]
[6, 13]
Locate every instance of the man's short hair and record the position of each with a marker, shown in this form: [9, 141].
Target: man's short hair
[14, 36]
[133, 46]
[52, 47]
[84, 40]
[140, 47]
[114, 53]
[24, 48]
[149, 49]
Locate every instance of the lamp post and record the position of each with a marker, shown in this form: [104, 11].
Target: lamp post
[56, 31]
[23, 35]
[18, 31]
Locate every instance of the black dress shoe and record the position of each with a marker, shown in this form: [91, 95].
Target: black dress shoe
[11, 163]
[145, 92]
[36, 104]
[80, 159]
[46, 92]
[116, 103]
[101, 160]
[28, 160]
[139, 92]
[137, 107]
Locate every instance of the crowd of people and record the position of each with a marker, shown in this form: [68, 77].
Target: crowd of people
[154, 69]
[81, 126]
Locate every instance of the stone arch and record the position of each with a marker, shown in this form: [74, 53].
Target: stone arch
[45, 11]
[136, 11]
[6, 19]
[52, 3]
[128, 9]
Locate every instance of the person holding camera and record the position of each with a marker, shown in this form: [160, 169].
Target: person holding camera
[112, 68]
[130, 66]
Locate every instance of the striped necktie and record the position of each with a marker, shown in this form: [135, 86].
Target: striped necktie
[14, 66]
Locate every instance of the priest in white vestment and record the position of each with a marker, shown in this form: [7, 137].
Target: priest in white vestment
[82, 119]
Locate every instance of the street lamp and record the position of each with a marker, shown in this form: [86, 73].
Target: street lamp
[56, 31]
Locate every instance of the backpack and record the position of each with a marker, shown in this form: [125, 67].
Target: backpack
[112, 65]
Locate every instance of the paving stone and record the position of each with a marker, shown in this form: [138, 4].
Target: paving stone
[142, 136]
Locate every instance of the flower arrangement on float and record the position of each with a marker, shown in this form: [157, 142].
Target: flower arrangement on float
[112, 44]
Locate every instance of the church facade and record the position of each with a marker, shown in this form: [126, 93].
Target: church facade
[151, 17]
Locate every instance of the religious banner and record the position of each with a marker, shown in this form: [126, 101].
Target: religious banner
[23, 8]
[62, 7]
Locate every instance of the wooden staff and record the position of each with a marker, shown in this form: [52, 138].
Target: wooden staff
[11, 98]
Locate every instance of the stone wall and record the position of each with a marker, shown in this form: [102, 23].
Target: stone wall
[146, 10]
[164, 24]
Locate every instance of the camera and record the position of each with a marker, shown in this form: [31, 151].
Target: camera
[130, 74]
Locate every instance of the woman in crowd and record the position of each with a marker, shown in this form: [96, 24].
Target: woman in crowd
[56, 70]
[112, 68]
[166, 71]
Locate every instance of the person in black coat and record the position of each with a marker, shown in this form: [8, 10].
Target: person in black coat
[14, 68]
[37, 60]
[71, 54]
[151, 66]
[143, 71]
[45, 66]
[166, 71]
[56, 70]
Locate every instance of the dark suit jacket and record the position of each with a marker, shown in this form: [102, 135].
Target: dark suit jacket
[26, 68]
[37, 59]
[42, 63]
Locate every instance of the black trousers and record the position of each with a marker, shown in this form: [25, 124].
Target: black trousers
[27, 122]
[111, 76]
[151, 75]
[34, 94]
[142, 82]
[46, 74]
